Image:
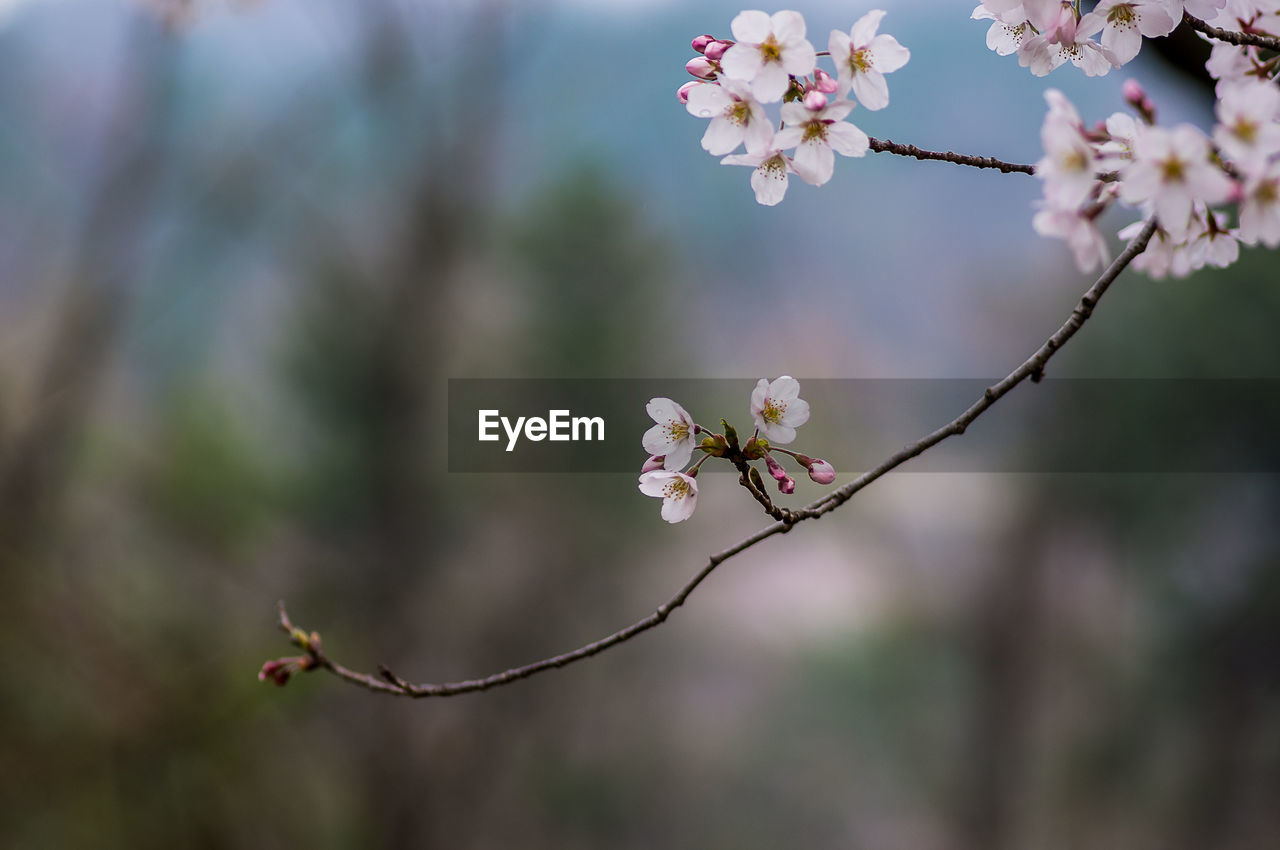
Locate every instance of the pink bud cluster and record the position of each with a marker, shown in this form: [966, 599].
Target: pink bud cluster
[769, 60]
[777, 411]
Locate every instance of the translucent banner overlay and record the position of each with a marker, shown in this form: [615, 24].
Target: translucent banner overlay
[1058, 425]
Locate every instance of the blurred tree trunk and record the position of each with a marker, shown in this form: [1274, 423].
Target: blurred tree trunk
[1006, 649]
[35, 463]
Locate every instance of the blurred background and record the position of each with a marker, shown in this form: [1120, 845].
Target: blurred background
[243, 246]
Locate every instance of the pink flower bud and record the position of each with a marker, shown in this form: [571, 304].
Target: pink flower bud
[824, 82]
[277, 671]
[821, 472]
[700, 68]
[1063, 29]
[787, 486]
[1134, 93]
[815, 101]
[716, 49]
[700, 43]
[775, 468]
[1136, 96]
[653, 463]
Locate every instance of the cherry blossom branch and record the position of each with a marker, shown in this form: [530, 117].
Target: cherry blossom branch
[888, 146]
[1241, 39]
[1033, 368]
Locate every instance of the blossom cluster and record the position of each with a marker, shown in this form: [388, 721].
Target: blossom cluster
[1193, 183]
[768, 60]
[1046, 34]
[776, 410]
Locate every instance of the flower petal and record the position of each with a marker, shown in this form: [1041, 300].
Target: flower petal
[758, 135]
[770, 183]
[742, 62]
[721, 137]
[865, 29]
[780, 434]
[653, 483]
[871, 89]
[788, 26]
[797, 413]
[752, 160]
[1123, 42]
[788, 138]
[815, 162]
[839, 45]
[800, 58]
[888, 54]
[770, 83]
[708, 100]
[848, 140]
[752, 27]
[759, 396]
[784, 388]
[838, 111]
[656, 440]
[794, 113]
[679, 510]
[679, 454]
[663, 409]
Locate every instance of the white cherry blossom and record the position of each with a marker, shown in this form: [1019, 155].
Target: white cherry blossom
[1247, 131]
[1206, 244]
[1260, 209]
[1118, 148]
[863, 58]
[767, 50]
[1171, 169]
[1070, 162]
[1008, 31]
[1158, 257]
[1229, 64]
[1124, 23]
[679, 493]
[777, 409]
[771, 175]
[817, 135]
[673, 436]
[1214, 247]
[1041, 55]
[736, 118]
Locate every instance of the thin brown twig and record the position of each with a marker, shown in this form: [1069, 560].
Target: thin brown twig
[888, 146]
[781, 514]
[1240, 39]
[1033, 367]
